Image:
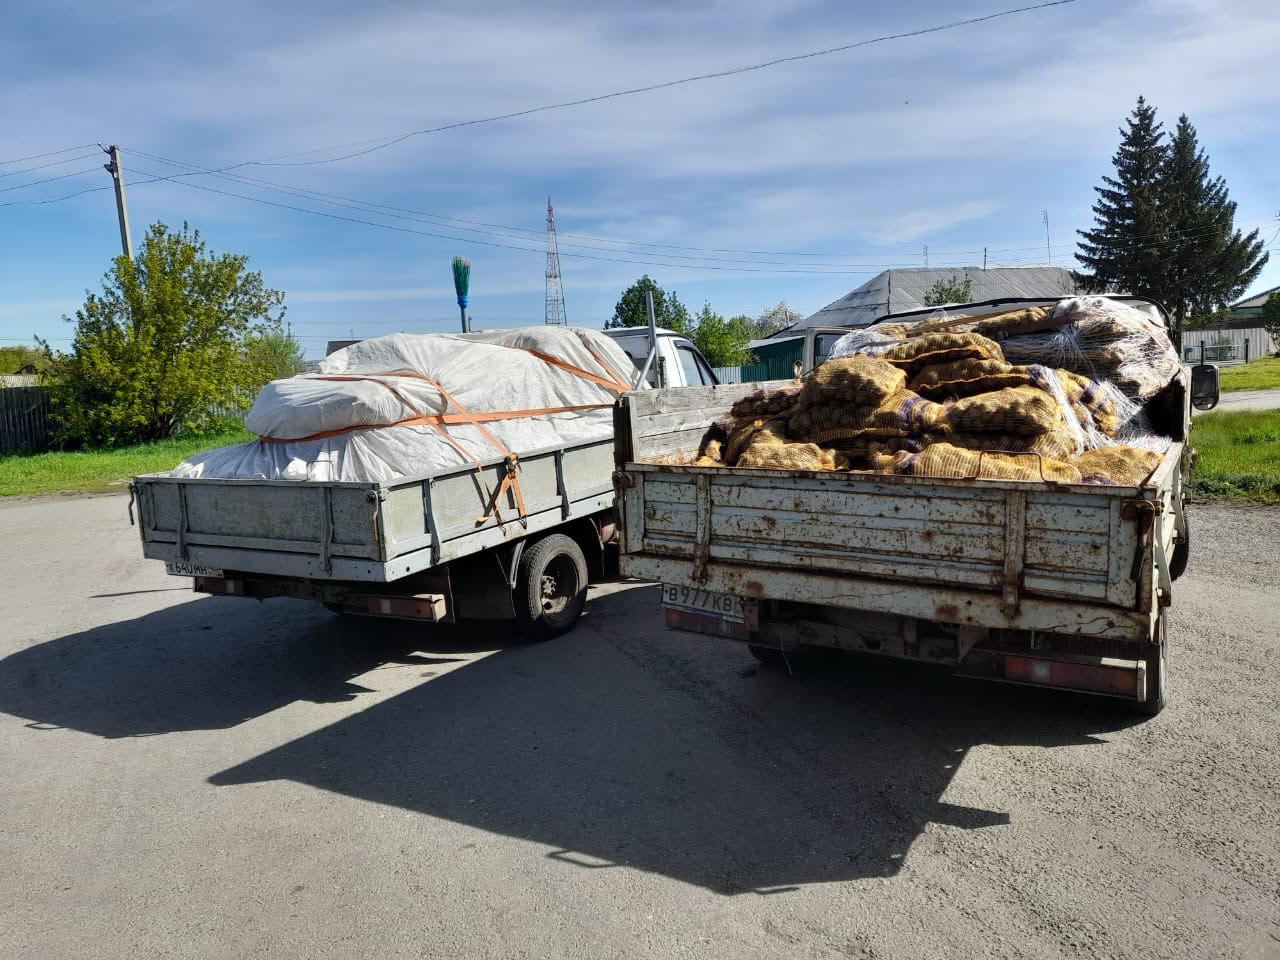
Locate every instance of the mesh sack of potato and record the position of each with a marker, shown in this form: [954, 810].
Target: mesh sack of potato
[1057, 444]
[748, 431]
[1092, 403]
[1118, 466]
[964, 378]
[1020, 411]
[1103, 340]
[711, 454]
[899, 414]
[766, 402]
[859, 379]
[945, 460]
[917, 353]
[791, 456]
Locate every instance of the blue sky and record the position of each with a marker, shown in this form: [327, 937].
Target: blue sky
[833, 167]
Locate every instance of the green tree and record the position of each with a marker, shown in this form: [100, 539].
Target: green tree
[668, 311]
[1271, 318]
[1208, 263]
[13, 359]
[1122, 251]
[1165, 228]
[164, 343]
[273, 354]
[778, 317]
[951, 290]
[723, 342]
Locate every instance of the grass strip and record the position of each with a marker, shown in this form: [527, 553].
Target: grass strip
[1239, 455]
[1260, 374]
[97, 470]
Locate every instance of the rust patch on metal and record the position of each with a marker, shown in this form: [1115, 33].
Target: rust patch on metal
[753, 588]
[926, 536]
[947, 612]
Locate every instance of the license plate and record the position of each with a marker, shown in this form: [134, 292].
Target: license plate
[720, 605]
[180, 568]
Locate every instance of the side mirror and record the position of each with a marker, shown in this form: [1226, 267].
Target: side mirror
[1204, 386]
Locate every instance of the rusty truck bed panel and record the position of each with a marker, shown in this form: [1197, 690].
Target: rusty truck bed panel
[1073, 545]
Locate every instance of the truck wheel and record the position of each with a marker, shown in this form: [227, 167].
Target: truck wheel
[551, 587]
[1157, 671]
[1181, 553]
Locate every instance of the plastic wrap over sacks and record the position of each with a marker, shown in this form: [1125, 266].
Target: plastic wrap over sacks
[408, 404]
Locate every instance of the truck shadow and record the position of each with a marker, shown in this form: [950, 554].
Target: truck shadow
[675, 756]
[213, 663]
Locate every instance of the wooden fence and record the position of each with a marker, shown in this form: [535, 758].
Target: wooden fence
[24, 418]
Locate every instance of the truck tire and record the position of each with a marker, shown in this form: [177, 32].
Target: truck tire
[551, 587]
[1157, 671]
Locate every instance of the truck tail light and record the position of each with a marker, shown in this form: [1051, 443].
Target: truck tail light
[1118, 679]
[219, 586]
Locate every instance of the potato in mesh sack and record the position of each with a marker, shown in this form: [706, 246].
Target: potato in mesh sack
[1090, 402]
[964, 378]
[1021, 411]
[791, 456]
[945, 460]
[766, 402]
[1057, 444]
[769, 431]
[899, 414]
[711, 454]
[858, 379]
[919, 352]
[1118, 466]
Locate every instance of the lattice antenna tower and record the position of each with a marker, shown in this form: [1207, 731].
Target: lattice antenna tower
[555, 291]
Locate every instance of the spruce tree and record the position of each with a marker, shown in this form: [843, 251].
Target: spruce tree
[1165, 229]
[1208, 262]
[1122, 251]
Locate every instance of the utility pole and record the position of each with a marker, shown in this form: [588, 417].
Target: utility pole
[926, 256]
[984, 259]
[113, 168]
[1048, 250]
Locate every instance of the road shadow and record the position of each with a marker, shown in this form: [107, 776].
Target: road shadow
[214, 662]
[675, 755]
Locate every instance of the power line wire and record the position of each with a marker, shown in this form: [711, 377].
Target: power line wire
[64, 176]
[52, 163]
[383, 142]
[507, 246]
[421, 216]
[51, 153]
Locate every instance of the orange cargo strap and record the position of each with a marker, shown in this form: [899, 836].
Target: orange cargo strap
[509, 481]
[612, 382]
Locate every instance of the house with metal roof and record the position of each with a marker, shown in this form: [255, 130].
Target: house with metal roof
[1250, 308]
[905, 289]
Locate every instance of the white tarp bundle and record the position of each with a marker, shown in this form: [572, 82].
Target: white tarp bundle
[408, 404]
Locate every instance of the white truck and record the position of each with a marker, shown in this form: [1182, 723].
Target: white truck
[1042, 583]
[412, 548]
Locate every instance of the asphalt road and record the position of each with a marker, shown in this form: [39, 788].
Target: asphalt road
[218, 778]
[1248, 400]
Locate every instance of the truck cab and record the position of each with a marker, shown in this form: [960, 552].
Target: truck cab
[676, 361]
